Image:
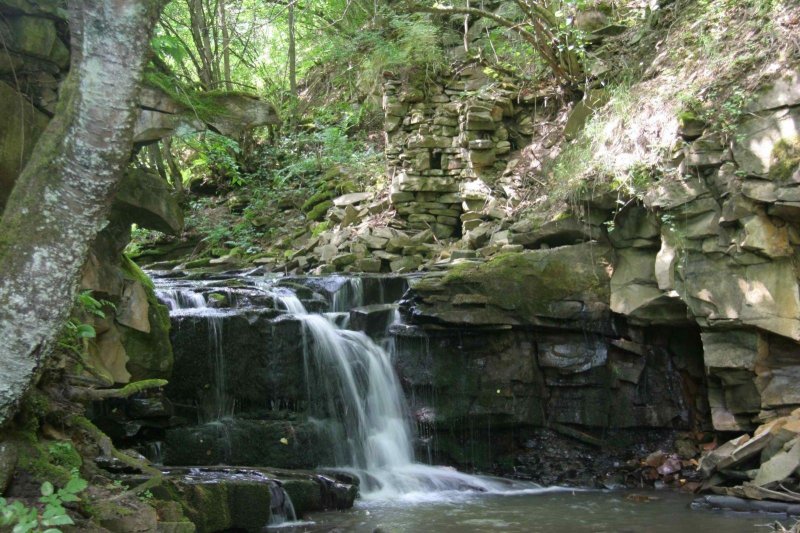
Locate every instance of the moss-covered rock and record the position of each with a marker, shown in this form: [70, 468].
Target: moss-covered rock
[785, 159]
[274, 443]
[23, 124]
[306, 495]
[222, 503]
[569, 282]
[149, 353]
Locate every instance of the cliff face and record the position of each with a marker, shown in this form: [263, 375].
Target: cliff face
[662, 293]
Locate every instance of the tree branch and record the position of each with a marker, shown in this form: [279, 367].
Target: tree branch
[83, 393]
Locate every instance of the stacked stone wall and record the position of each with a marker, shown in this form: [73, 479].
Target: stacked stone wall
[444, 137]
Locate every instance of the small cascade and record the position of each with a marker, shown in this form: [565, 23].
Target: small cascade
[221, 406]
[153, 452]
[360, 403]
[176, 299]
[281, 507]
[191, 302]
[349, 295]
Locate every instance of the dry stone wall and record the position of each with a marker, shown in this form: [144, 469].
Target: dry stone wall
[446, 140]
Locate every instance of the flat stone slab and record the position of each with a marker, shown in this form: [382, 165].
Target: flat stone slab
[351, 199]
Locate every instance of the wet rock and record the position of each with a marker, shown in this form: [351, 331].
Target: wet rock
[156, 407]
[373, 320]
[247, 442]
[571, 353]
[9, 453]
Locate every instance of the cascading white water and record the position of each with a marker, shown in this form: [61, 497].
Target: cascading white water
[176, 299]
[191, 302]
[349, 295]
[356, 387]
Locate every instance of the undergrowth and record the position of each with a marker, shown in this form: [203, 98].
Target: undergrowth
[701, 61]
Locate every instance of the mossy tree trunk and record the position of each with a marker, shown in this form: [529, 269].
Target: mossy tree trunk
[63, 194]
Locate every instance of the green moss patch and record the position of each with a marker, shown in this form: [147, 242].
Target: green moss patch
[785, 159]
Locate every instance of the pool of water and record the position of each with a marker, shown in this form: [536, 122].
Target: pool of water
[546, 511]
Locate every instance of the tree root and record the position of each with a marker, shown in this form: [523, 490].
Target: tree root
[87, 394]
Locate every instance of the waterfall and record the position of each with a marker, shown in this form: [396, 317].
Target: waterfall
[354, 396]
[193, 303]
[349, 295]
[176, 299]
[358, 395]
[281, 508]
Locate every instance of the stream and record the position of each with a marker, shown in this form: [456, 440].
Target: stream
[575, 512]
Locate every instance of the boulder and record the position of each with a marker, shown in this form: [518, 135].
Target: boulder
[374, 320]
[36, 37]
[145, 198]
[635, 291]
[781, 466]
[732, 349]
[351, 199]
[524, 288]
[764, 295]
[759, 138]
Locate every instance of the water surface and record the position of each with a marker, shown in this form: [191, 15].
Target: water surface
[548, 511]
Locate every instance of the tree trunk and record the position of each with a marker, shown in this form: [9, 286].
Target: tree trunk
[174, 171]
[201, 42]
[226, 46]
[292, 53]
[63, 194]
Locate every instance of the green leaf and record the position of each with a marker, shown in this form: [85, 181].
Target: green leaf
[47, 488]
[85, 331]
[60, 520]
[76, 485]
[23, 527]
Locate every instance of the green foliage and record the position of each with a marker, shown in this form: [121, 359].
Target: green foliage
[64, 454]
[215, 157]
[302, 156]
[320, 228]
[77, 331]
[48, 514]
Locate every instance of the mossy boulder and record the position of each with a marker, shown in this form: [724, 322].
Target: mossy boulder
[225, 506]
[565, 283]
[315, 199]
[149, 353]
[306, 495]
[37, 37]
[785, 159]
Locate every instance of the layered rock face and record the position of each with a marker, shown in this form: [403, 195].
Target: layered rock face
[248, 390]
[679, 310]
[527, 341]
